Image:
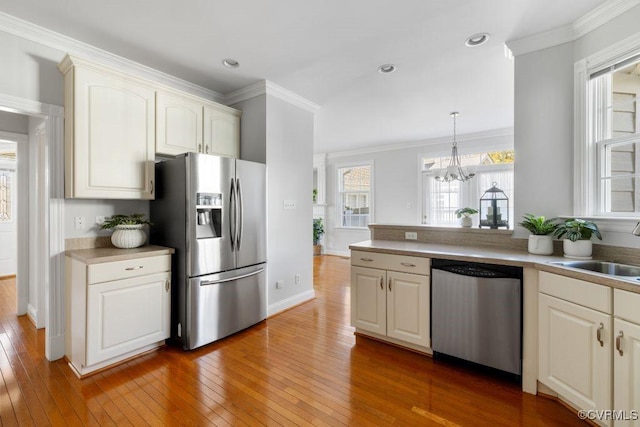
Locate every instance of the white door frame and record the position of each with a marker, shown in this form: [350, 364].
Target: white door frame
[50, 217]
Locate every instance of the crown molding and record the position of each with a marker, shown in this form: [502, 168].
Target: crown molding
[494, 133]
[32, 32]
[601, 15]
[568, 33]
[265, 87]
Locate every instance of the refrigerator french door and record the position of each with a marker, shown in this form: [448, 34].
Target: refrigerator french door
[212, 211]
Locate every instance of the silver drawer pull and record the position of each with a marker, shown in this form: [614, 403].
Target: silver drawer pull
[366, 259]
[408, 264]
[134, 268]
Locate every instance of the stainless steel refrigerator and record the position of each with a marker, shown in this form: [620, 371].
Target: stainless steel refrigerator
[212, 210]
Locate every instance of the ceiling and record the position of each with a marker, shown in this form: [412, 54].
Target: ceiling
[328, 52]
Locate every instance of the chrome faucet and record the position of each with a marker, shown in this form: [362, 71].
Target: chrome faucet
[636, 230]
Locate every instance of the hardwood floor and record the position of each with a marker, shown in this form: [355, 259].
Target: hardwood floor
[301, 367]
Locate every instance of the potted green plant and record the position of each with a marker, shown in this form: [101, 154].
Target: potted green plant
[318, 231]
[128, 230]
[465, 216]
[541, 228]
[577, 235]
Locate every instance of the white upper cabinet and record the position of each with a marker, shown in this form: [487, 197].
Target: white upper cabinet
[109, 133]
[178, 124]
[221, 130]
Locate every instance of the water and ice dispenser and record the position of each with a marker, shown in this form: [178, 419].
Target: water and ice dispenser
[208, 215]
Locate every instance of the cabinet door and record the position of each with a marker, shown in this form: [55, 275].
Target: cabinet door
[408, 307]
[126, 315]
[369, 299]
[221, 132]
[626, 367]
[575, 352]
[178, 124]
[110, 148]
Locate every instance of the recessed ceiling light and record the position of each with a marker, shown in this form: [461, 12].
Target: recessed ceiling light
[477, 39]
[230, 63]
[386, 68]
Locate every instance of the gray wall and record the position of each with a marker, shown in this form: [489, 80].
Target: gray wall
[543, 123]
[396, 182]
[14, 123]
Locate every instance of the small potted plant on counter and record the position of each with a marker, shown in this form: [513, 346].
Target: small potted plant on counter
[577, 235]
[465, 216]
[318, 231]
[541, 228]
[128, 232]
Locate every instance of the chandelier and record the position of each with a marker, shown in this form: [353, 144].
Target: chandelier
[455, 171]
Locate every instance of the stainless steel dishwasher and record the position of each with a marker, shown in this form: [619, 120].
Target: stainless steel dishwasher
[476, 313]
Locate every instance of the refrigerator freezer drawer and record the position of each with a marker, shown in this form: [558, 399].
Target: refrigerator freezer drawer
[223, 304]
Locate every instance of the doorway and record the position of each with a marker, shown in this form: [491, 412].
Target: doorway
[40, 257]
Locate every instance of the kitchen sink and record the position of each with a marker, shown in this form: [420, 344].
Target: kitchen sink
[604, 267]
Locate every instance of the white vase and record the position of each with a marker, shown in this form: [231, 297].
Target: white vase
[540, 245]
[128, 236]
[466, 221]
[578, 249]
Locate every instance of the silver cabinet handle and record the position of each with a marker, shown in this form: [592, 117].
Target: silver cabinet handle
[206, 149]
[199, 148]
[408, 264]
[139, 267]
[381, 283]
[167, 285]
[366, 259]
[389, 284]
[619, 342]
[599, 334]
[151, 184]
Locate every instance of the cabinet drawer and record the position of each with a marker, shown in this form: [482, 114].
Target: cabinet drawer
[104, 272]
[626, 305]
[402, 263]
[576, 291]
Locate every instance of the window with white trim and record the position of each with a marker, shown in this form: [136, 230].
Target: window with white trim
[355, 187]
[614, 138]
[440, 200]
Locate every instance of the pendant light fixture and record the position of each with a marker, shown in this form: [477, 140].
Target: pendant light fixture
[455, 171]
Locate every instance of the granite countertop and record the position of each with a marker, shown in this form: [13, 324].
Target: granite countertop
[100, 255]
[495, 256]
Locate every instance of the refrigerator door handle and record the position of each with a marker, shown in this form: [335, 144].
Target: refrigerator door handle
[231, 279]
[232, 215]
[240, 223]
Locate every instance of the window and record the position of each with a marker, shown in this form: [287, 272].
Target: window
[5, 196]
[614, 139]
[354, 195]
[442, 199]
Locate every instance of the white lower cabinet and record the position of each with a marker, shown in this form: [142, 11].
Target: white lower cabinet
[626, 358]
[392, 304]
[116, 310]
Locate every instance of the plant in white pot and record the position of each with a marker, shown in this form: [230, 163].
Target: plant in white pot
[465, 216]
[577, 235]
[541, 228]
[128, 230]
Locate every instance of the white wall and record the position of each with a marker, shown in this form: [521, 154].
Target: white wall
[289, 177]
[543, 126]
[281, 134]
[396, 182]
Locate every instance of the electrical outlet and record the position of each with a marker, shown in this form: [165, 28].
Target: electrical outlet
[79, 222]
[279, 284]
[297, 279]
[411, 235]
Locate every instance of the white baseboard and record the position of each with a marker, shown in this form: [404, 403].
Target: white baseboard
[338, 253]
[32, 314]
[290, 302]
